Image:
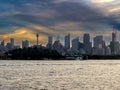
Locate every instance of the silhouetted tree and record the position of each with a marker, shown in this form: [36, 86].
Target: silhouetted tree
[33, 53]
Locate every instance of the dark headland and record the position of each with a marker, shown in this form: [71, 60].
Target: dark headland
[42, 53]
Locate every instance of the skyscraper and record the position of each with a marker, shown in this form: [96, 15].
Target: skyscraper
[3, 43]
[12, 42]
[58, 46]
[50, 39]
[98, 41]
[75, 43]
[114, 33]
[25, 44]
[99, 45]
[67, 41]
[50, 42]
[107, 51]
[8, 46]
[114, 44]
[87, 44]
[86, 38]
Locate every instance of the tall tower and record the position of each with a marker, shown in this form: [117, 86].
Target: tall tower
[50, 42]
[87, 43]
[37, 36]
[67, 41]
[86, 38]
[114, 43]
[12, 42]
[50, 39]
[75, 43]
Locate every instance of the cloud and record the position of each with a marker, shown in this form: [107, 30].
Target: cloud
[23, 34]
[102, 1]
[48, 13]
[57, 17]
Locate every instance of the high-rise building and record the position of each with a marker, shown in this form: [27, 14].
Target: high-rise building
[12, 42]
[8, 46]
[107, 51]
[114, 44]
[58, 46]
[50, 39]
[67, 41]
[2, 47]
[99, 45]
[114, 38]
[50, 42]
[98, 41]
[75, 43]
[81, 48]
[87, 44]
[3, 43]
[25, 44]
[86, 38]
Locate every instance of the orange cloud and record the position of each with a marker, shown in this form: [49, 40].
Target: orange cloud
[23, 34]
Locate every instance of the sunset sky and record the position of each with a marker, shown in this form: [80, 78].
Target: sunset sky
[22, 19]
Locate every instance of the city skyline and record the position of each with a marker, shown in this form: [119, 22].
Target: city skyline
[72, 46]
[61, 38]
[22, 19]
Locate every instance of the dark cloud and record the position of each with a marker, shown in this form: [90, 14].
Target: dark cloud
[48, 13]
[90, 19]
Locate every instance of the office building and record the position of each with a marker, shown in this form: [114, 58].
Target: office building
[50, 42]
[114, 44]
[107, 50]
[58, 46]
[87, 44]
[67, 41]
[3, 43]
[75, 43]
[25, 44]
[12, 42]
[8, 46]
[50, 39]
[99, 45]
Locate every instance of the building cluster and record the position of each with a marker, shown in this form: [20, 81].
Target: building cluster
[74, 46]
[97, 47]
[11, 45]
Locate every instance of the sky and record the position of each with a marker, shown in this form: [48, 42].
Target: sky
[22, 19]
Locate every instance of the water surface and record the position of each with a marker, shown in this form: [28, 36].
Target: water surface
[60, 75]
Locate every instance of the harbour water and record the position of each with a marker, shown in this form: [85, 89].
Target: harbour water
[60, 75]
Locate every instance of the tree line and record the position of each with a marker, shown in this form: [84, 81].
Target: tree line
[34, 53]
